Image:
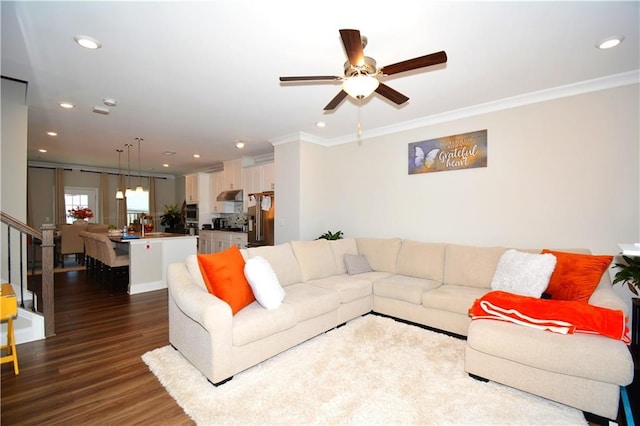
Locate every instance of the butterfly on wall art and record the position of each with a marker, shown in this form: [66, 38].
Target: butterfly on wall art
[464, 151]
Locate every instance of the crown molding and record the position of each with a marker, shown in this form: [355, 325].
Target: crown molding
[568, 90]
[298, 137]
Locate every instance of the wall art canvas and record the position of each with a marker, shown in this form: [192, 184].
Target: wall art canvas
[465, 151]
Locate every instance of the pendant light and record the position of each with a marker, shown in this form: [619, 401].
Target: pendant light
[127, 192]
[139, 188]
[119, 194]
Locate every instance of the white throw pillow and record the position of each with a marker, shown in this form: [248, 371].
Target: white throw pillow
[264, 282]
[523, 273]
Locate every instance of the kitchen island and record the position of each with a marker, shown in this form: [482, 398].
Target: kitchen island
[149, 257]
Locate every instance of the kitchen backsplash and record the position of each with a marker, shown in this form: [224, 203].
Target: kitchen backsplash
[236, 220]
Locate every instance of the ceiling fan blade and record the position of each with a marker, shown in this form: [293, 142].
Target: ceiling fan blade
[335, 101]
[415, 63]
[353, 46]
[310, 78]
[391, 94]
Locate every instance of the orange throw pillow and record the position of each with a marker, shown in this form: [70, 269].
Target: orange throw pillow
[223, 275]
[576, 276]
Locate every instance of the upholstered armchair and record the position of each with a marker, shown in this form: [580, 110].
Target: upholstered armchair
[71, 242]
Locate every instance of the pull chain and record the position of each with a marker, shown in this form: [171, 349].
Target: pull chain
[359, 124]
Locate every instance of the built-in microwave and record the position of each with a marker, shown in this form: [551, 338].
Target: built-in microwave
[191, 213]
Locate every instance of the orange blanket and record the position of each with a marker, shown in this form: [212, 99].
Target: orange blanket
[558, 316]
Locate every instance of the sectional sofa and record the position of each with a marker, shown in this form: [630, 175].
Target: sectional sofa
[327, 283]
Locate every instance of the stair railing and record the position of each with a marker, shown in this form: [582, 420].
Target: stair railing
[46, 236]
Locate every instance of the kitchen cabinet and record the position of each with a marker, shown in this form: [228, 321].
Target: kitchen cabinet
[216, 186]
[191, 188]
[257, 179]
[197, 192]
[205, 242]
[217, 241]
[233, 174]
[268, 177]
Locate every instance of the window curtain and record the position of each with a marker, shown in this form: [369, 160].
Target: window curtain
[153, 210]
[104, 202]
[60, 213]
[122, 206]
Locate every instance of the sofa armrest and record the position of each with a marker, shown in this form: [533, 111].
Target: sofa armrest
[206, 309]
[604, 296]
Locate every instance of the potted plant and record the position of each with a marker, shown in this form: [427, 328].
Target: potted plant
[330, 236]
[629, 273]
[172, 219]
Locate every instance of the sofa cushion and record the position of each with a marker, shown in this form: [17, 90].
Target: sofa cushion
[381, 253]
[223, 275]
[194, 270]
[421, 260]
[452, 298]
[471, 266]
[339, 249]
[349, 288]
[576, 275]
[282, 260]
[254, 322]
[310, 301]
[315, 259]
[356, 264]
[263, 282]
[580, 355]
[402, 287]
[526, 274]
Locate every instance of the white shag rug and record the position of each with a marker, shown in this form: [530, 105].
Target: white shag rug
[373, 370]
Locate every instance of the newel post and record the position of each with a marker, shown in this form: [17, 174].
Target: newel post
[48, 249]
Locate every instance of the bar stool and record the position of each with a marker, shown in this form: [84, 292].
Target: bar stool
[9, 309]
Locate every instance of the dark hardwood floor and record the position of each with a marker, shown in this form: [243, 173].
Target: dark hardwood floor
[91, 372]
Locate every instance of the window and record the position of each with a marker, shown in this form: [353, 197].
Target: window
[137, 203]
[81, 197]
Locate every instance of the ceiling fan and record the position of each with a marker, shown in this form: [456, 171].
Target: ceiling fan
[361, 74]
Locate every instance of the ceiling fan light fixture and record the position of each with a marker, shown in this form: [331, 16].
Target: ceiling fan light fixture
[360, 86]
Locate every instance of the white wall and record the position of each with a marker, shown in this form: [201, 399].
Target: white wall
[562, 173]
[13, 158]
[287, 193]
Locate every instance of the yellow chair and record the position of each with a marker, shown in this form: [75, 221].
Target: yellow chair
[9, 309]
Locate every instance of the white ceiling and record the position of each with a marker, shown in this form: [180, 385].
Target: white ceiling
[193, 77]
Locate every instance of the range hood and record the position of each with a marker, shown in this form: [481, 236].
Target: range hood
[232, 195]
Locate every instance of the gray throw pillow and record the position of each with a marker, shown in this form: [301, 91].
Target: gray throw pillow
[356, 264]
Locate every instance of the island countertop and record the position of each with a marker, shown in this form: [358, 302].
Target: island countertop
[149, 257]
[148, 236]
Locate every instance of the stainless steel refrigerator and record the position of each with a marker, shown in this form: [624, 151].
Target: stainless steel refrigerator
[260, 215]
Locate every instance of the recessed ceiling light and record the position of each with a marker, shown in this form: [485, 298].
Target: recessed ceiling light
[87, 42]
[321, 124]
[66, 105]
[196, 155]
[42, 150]
[165, 165]
[169, 153]
[101, 110]
[110, 102]
[52, 133]
[609, 42]
[239, 144]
